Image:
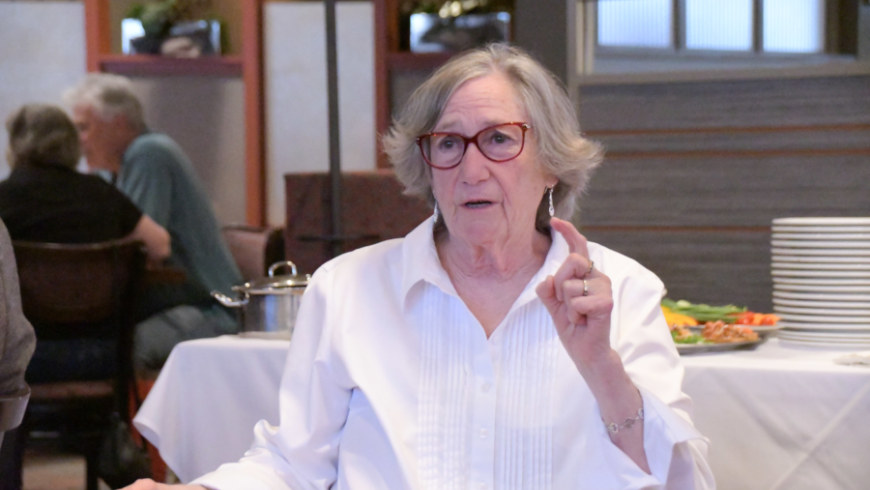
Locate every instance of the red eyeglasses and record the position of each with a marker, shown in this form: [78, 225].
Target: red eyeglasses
[498, 143]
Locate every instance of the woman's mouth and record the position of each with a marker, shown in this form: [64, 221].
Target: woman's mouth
[477, 204]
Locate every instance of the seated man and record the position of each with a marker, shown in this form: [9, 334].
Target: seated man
[46, 200]
[154, 172]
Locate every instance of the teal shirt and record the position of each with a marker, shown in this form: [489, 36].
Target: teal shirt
[159, 178]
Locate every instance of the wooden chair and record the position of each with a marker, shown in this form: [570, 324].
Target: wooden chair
[76, 292]
[254, 249]
[373, 209]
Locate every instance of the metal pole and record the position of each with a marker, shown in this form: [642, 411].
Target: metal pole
[334, 137]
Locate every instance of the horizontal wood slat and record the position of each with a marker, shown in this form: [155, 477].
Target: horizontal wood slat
[737, 144]
[702, 267]
[736, 103]
[739, 153]
[676, 229]
[725, 192]
[729, 130]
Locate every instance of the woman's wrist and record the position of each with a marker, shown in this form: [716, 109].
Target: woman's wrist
[618, 399]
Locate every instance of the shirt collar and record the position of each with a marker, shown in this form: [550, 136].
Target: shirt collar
[420, 262]
[555, 257]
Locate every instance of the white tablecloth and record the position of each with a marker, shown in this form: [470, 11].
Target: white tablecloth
[783, 418]
[777, 417]
[202, 409]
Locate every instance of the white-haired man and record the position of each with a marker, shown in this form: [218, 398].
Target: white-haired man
[156, 174]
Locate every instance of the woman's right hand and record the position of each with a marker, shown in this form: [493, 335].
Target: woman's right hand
[153, 485]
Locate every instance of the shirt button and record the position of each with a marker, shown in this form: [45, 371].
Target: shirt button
[485, 387]
[483, 433]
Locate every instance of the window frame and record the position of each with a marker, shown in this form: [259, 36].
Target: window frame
[679, 28]
[843, 54]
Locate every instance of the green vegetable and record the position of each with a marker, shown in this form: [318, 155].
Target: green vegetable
[703, 312]
[692, 339]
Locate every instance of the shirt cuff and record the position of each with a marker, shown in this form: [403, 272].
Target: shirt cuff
[242, 476]
[663, 430]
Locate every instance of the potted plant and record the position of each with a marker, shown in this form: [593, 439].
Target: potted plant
[175, 27]
[454, 25]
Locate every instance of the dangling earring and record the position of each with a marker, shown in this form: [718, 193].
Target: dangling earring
[552, 209]
[435, 215]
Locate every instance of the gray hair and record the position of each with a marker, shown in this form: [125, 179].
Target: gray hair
[42, 135]
[108, 96]
[562, 150]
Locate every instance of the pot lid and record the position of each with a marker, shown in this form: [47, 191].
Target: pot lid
[275, 282]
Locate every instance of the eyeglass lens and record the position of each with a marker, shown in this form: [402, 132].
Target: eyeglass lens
[498, 143]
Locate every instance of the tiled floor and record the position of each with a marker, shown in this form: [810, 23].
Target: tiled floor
[47, 467]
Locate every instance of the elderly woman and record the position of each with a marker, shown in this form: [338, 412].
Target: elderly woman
[493, 347]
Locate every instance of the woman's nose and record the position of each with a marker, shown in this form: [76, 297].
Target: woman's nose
[474, 166]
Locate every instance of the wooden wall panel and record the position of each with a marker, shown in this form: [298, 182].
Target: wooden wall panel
[726, 192]
[738, 142]
[701, 266]
[695, 172]
[736, 104]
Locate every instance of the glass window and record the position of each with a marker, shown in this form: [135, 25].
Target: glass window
[793, 26]
[719, 25]
[635, 23]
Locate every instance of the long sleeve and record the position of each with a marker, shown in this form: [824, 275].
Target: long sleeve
[676, 451]
[17, 339]
[302, 453]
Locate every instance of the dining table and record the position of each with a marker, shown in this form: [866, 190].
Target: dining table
[777, 416]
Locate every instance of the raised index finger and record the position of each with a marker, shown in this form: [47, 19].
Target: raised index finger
[576, 241]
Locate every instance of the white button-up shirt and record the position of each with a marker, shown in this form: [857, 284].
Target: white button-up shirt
[391, 383]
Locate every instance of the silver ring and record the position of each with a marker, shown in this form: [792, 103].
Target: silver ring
[591, 266]
[585, 288]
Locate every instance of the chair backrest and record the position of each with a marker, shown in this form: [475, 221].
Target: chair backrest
[84, 291]
[254, 249]
[74, 284]
[373, 209]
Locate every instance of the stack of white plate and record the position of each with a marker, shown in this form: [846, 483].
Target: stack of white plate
[821, 280]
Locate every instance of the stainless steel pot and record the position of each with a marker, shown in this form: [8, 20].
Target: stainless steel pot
[269, 304]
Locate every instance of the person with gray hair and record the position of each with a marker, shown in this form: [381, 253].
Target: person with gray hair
[46, 200]
[109, 118]
[155, 173]
[562, 151]
[493, 347]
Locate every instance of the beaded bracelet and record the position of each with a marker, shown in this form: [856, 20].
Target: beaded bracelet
[613, 427]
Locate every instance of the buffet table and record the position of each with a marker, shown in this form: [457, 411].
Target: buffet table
[777, 417]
